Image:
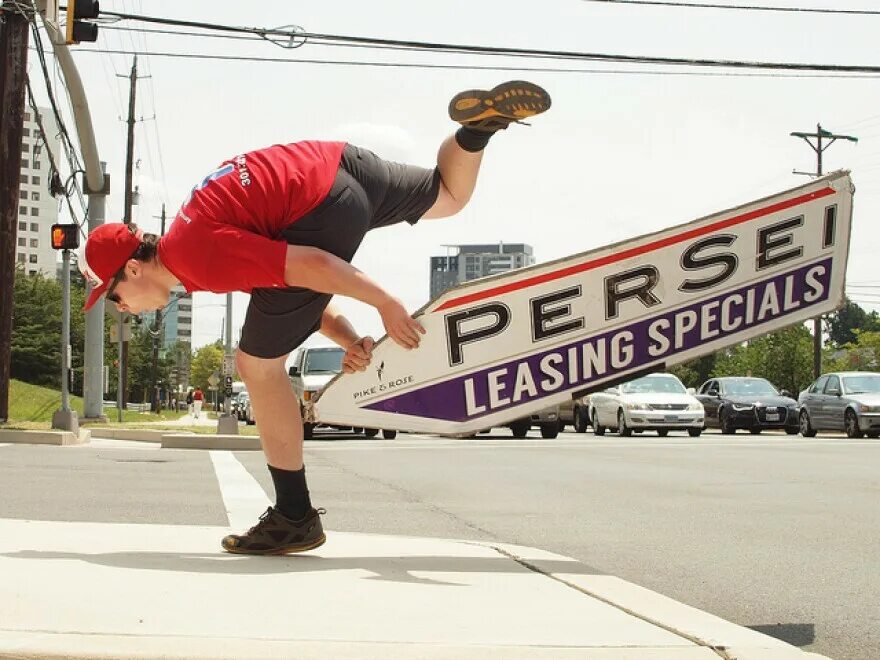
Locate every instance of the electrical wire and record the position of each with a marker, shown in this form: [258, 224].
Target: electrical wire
[712, 5]
[54, 168]
[500, 51]
[459, 67]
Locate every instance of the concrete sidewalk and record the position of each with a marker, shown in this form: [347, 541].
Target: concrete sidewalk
[93, 590]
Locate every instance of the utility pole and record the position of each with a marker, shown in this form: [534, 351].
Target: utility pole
[122, 396]
[227, 424]
[157, 331]
[820, 135]
[13, 62]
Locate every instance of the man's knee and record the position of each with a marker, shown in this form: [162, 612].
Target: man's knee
[447, 204]
[252, 368]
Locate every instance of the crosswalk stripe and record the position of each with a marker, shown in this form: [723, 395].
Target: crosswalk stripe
[243, 496]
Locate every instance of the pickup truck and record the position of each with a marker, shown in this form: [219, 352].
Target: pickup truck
[313, 367]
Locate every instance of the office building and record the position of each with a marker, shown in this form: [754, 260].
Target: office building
[37, 209]
[469, 262]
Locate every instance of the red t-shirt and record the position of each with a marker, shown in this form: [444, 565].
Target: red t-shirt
[226, 236]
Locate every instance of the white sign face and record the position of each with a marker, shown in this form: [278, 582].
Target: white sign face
[228, 365]
[213, 380]
[505, 346]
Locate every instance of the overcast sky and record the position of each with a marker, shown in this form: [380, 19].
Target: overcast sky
[622, 152]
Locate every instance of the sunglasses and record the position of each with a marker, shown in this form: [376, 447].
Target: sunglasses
[111, 294]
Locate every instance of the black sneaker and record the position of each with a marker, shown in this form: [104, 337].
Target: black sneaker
[276, 534]
[497, 108]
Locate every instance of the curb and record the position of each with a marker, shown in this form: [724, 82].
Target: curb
[220, 442]
[137, 435]
[58, 438]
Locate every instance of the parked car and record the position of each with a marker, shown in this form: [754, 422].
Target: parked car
[247, 414]
[576, 412]
[239, 404]
[844, 401]
[656, 402]
[737, 402]
[547, 420]
[313, 367]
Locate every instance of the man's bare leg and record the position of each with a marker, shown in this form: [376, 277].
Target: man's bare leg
[458, 178]
[481, 114]
[275, 409]
[292, 525]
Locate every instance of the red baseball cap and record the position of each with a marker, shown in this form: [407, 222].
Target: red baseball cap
[107, 250]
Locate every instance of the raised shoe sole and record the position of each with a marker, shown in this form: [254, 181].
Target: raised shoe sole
[514, 100]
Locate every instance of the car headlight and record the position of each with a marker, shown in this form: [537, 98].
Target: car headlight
[742, 407]
[695, 405]
[865, 408]
[637, 406]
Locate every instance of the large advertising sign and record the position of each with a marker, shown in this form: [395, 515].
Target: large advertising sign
[505, 346]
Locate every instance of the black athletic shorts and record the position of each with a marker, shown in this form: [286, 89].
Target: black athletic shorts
[368, 192]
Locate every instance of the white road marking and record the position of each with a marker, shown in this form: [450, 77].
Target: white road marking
[243, 497]
[4, 444]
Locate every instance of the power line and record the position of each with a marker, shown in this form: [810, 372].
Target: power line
[411, 65]
[499, 51]
[712, 5]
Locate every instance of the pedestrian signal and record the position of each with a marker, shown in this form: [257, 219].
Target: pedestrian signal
[65, 237]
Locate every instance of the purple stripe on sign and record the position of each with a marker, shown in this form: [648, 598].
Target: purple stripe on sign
[604, 356]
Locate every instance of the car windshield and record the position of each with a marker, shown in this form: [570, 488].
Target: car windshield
[324, 362]
[750, 387]
[652, 384]
[869, 383]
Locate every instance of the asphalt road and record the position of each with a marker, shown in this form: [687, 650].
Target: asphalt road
[772, 532]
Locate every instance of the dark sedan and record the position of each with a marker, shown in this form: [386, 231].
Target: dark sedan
[735, 402]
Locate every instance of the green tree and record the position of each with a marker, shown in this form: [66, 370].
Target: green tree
[140, 365]
[695, 372]
[206, 361]
[843, 324]
[785, 358]
[860, 355]
[36, 330]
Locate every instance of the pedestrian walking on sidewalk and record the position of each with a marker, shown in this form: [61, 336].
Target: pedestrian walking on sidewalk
[189, 402]
[198, 400]
[283, 224]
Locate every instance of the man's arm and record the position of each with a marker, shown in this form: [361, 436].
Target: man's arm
[337, 328]
[320, 271]
[358, 350]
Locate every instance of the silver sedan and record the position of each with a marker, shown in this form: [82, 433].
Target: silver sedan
[845, 401]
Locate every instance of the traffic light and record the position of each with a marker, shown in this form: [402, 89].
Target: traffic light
[65, 237]
[78, 30]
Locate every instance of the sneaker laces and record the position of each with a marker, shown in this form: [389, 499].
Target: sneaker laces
[261, 522]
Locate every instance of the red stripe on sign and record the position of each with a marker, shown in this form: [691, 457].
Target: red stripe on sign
[636, 251]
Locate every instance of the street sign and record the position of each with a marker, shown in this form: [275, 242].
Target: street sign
[126, 331]
[506, 346]
[213, 380]
[228, 365]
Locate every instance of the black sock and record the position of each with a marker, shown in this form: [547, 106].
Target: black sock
[291, 493]
[472, 139]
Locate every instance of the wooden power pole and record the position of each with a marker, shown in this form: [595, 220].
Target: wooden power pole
[13, 61]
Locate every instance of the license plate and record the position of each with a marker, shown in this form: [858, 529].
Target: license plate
[671, 418]
[772, 417]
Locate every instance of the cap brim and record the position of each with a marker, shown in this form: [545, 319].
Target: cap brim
[96, 293]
